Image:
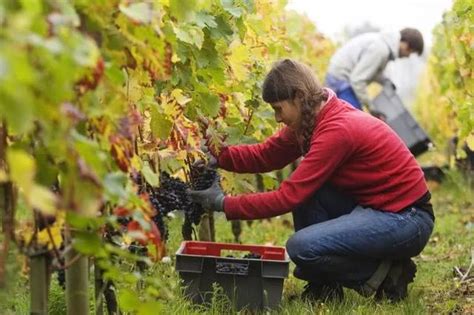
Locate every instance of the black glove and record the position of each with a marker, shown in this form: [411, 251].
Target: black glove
[211, 198]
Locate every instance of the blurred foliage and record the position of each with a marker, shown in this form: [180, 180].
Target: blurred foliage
[445, 101]
[94, 92]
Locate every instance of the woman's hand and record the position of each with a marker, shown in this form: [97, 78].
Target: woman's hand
[211, 159]
[211, 198]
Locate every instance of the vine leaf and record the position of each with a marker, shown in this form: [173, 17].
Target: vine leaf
[160, 125]
[238, 60]
[210, 104]
[190, 34]
[141, 12]
[150, 176]
[228, 5]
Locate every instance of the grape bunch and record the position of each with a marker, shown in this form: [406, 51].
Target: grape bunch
[252, 256]
[201, 179]
[247, 256]
[171, 195]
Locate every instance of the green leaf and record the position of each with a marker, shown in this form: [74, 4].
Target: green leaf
[33, 7]
[160, 125]
[150, 308]
[47, 172]
[141, 12]
[189, 34]
[81, 222]
[209, 104]
[183, 10]
[17, 76]
[228, 5]
[128, 300]
[114, 185]
[150, 176]
[86, 52]
[90, 151]
[115, 75]
[205, 20]
[88, 243]
[238, 60]
[269, 182]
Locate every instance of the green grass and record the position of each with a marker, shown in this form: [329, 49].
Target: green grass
[437, 288]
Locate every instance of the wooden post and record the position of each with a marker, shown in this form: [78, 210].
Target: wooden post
[39, 284]
[77, 296]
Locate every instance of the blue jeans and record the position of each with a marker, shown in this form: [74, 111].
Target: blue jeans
[343, 90]
[349, 96]
[338, 241]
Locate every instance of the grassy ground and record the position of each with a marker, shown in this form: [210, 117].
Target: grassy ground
[437, 289]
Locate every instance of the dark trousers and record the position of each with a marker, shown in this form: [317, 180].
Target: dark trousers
[338, 241]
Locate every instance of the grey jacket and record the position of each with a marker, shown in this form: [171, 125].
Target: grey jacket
[363, 59]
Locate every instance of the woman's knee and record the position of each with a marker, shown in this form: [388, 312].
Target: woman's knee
[300, 250]
[295, 246]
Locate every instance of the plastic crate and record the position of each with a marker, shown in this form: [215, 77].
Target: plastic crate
[249, 283]
[401, 121]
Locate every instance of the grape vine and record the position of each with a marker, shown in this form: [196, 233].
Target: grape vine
[92, 92]
[448, 110]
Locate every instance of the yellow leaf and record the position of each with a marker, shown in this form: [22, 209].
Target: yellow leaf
[44, 239]
[167, 153]
[42, 199]
[182, 154]
[179, 97]
[192, 141]
[175, 58]
[25, 234]
[22, 168]
[136, 162]
[238, 60]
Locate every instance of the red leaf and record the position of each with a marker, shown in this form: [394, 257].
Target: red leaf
[121, 212]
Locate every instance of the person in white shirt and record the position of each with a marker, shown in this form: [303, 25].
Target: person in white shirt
[363, 59]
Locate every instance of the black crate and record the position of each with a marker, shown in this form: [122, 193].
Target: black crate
[253, 283]
[401, 121]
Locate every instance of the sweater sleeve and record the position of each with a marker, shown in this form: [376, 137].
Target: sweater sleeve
[275, 153]
[366, 70]
[328, 151]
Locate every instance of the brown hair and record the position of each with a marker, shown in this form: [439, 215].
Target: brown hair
[288, 79]
[413, 38]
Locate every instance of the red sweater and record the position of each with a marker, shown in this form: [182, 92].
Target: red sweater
[353, 151]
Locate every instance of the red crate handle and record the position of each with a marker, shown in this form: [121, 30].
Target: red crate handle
[214, 249]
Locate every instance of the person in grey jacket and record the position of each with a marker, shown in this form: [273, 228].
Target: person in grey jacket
[363, 59]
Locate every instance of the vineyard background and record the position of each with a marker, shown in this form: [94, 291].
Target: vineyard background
[94, 93]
